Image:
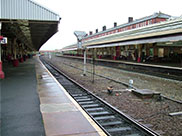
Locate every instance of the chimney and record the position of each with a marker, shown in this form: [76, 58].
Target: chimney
[104, 28]
[130, 19]
[90, 33]
[115, 24]
[96, 31]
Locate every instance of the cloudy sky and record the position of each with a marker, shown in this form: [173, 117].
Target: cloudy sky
[88, 15]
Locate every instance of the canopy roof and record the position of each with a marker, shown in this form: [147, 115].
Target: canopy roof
[168, 31]
[29, 22]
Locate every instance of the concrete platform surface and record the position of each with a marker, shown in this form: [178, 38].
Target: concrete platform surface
[62, 116]
[20, 105]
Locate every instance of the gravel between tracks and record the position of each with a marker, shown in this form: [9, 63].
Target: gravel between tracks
[153, 113]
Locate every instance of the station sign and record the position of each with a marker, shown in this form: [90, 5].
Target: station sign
[4, 40]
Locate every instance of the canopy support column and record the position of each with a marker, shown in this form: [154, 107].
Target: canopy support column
[15, 61]
[1, 66]
[85, 61]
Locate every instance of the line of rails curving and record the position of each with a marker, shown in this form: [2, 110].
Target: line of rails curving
[111, 120]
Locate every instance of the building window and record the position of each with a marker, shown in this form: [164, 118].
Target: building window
[151, 52]
[137, 25]
[161, 52]
[149, 22]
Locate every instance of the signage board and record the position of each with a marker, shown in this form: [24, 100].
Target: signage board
[4, 40]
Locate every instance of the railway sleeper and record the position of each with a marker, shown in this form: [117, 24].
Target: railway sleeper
[122, 130]
[113, 123]
[87, 102]
[83, 100]
[102, 113]
[81, 97]
[73, 91]
[94, 109]
[73, 94]
[78, 95]
[134, 134]
[104, 118]
[91, 106]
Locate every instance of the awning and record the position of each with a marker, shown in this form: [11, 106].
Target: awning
[142, 41]
[162, 29]
[29, 22]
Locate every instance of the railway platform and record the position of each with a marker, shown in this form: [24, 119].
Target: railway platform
[20, 111]
[33, 103]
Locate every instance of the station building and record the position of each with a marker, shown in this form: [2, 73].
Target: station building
[155, 38]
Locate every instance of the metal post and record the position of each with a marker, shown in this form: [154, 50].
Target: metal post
[15, 49]
[85, 61]
[93, 58]
[80, 36]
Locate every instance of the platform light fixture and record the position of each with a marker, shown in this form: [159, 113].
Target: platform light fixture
[80, 36]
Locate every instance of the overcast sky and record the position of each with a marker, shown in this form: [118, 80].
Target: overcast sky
[88, 15]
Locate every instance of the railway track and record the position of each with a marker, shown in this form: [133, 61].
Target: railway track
[123, 83]
[112, 121]
[148, 69]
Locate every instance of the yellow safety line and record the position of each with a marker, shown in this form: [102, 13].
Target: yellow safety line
[97, 128]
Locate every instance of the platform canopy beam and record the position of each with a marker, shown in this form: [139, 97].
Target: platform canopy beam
[28, 21]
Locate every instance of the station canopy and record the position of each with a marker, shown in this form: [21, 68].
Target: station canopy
[28, 22]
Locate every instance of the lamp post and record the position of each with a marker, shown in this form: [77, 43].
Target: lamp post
[80, 35]
[85, 61]
[93, 65]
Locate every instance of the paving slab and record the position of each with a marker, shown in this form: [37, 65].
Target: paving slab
[55, 100]
[67, 123]
[51, 108]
